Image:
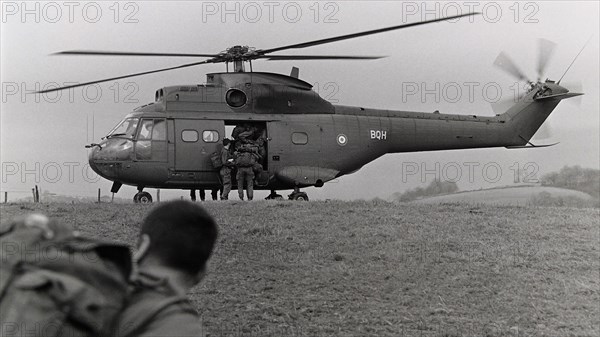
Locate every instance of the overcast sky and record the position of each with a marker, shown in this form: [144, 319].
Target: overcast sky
[50, 131]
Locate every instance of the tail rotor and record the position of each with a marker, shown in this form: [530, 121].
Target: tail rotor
[545, 52]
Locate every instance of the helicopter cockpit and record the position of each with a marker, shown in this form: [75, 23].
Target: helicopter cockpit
[134, 138]
[118, 144]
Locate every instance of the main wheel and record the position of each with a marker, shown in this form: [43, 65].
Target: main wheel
[142, 198]
[299, 196]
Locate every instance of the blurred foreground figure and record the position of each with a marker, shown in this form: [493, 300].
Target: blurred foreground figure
[176, 240]
[54, 282]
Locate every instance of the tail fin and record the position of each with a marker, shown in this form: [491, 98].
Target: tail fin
[527, 116]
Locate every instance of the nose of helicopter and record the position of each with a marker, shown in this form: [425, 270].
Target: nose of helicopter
[94, 161]
[107, 157]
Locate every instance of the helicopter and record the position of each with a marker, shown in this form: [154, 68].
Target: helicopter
[168, 143]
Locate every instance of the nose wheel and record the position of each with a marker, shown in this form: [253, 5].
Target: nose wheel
[274, 196]
[142, 198]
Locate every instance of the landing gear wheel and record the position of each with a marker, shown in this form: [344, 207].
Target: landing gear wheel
[299, 196]
[142, 198]
[274, 196]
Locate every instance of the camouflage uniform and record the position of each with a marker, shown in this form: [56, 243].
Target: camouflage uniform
[155, 308]
[245, 174]
[237, 130]
[245, 159]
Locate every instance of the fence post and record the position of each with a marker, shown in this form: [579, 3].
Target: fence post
[37, 194]
[5, 197]
[98, 195]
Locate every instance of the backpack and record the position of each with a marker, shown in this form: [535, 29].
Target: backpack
[215, 160]
[248, 147]
[55, 283]
[245, 159]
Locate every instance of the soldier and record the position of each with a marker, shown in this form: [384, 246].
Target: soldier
[244, 161]
[77, 290]
[262, 146]
[247, 134]
[225, 170]
[176, 240]
[237, 130]
[214, 192]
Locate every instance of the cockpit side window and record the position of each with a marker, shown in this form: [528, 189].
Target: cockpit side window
[146, 129]
[125, 129]
[160, 130]
[151, 140]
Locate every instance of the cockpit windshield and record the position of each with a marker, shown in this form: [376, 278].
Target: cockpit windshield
[125, 129]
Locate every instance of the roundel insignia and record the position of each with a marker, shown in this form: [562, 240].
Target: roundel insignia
[342, 140]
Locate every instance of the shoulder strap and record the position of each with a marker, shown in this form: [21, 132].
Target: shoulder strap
[149, 314]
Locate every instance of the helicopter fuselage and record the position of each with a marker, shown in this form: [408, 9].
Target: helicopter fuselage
[309, 140]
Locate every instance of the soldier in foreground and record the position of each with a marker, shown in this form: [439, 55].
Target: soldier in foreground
[176, 240]
[56, 282]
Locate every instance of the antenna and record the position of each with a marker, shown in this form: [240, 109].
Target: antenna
[569, 67]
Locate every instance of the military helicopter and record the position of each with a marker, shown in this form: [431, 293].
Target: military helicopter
[168, 143]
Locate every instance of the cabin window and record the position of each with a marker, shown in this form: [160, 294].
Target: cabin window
[210, 136]
[189, 136]
[299, 138]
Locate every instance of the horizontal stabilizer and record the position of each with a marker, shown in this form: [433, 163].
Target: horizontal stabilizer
[558, 96]
[528, 146]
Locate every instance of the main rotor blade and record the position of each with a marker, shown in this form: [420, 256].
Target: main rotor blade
[118, 53]
[545, 52]
[505, 63]
[124, 76]
[351, 36]
[317, 57]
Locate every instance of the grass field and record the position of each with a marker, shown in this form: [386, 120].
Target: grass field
[508, 196]
[378, 268]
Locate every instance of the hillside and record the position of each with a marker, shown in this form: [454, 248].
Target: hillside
[383, 269]
[513, 196]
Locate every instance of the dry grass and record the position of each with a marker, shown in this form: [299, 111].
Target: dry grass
[377, 268]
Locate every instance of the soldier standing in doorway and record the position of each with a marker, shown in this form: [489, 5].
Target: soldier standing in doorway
[244, 161]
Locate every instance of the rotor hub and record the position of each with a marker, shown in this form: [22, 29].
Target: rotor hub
[238, 53]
